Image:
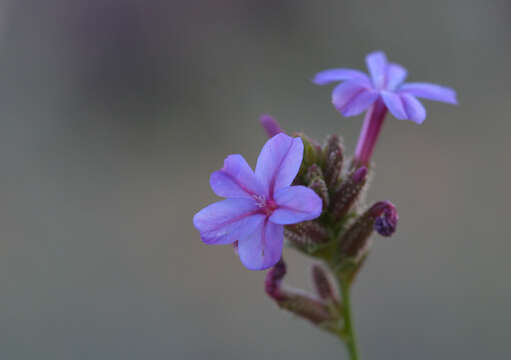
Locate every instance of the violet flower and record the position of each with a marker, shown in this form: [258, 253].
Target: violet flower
[259, 204]
[383, 90]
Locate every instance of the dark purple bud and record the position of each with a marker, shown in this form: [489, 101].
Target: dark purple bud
[381, 217]
[307, 235]
[333, 155]
[270, 125]
[323, 284]
[347, 194]
[359, 174]
[386, 222]
[295, 301]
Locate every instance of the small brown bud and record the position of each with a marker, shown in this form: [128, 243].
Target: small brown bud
[333, 154]
[306, 235]
[347, 194]
[323, 284]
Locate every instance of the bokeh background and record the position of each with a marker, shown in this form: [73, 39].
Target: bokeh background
[114, 113]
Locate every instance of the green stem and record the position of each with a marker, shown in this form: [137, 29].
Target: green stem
[348, 332]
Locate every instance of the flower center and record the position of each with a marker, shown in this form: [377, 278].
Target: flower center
[267, 206]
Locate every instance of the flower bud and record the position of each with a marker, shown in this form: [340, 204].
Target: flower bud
[381, 217]
[306, 236]
[348, 192]
[303, 305]
[313, 172]
[386, 222]
[333, 153]
[319, 186]
[270, 125]
[323, 284]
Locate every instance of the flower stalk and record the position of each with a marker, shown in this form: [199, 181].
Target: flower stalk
[348, 334]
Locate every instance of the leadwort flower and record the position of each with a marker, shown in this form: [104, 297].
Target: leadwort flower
[259, 204]
[383, 90]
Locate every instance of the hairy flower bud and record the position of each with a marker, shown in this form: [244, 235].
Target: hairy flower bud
[348, 192]
[303, 305]
[381, 217]
[333, 153]
[307, 235]
[313, 172]
[319, 186]
[322, 283]
[270, 125]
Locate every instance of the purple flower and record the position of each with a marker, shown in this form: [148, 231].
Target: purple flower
[259, 204]
[383, 90]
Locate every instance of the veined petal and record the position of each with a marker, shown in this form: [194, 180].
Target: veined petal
[415, 111]
[279, 162]
[394, 103]
[331, 75]
[377, 65]
[235, 179]
[226, 221]
[348, 95]
[263, 248]
[396, 74]
[430, 92]
[296, 204]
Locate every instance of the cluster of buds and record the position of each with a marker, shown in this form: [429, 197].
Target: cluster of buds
[339, 238]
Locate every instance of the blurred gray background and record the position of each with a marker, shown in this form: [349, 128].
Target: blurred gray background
[114, 113]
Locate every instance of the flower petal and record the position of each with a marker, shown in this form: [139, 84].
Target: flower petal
[235, 179]
[263, 248]
[430, 92]
[279, 162]
[296, 204]
[377, 65]
[226, 221]
[415, 111]
[360, 103]
[331, 75]
[351, 96]
[394, 103]
[396, 74]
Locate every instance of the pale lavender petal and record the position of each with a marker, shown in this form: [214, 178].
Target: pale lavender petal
[263, 248]
[430, 92]
[226, 221]
[296, 204]
[394, 103]
[348, 93]
[360, 103]
[415, 111]
[331, 75]
[279, 162]
[377, 65]
[396, 74]
[235, 179]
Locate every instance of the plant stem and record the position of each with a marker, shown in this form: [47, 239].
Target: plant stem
[349, 331]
